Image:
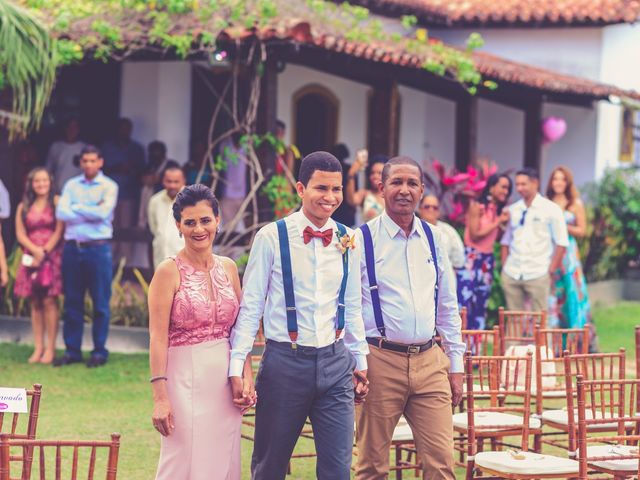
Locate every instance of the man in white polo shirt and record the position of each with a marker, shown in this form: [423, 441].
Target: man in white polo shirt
[533, 245]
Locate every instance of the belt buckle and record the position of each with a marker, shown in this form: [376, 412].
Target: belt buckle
[413, 349]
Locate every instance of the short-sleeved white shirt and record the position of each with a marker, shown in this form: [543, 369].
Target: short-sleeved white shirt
[532, 240]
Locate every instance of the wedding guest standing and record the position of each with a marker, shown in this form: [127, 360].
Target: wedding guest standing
[193, 304]
[369, 199]
[61, 158]
[166, 239]
[569, 301]
[429, 211]
[485, 220]
[39, 276]
[303, 281]
[408, 292]
[532, 246]
[86, 208]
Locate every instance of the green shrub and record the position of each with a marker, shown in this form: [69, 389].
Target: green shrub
[613, 213]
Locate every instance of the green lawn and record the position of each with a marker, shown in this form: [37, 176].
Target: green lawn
[79, 403]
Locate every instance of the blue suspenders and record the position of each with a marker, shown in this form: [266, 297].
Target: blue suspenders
[287, 280]
[371, 273]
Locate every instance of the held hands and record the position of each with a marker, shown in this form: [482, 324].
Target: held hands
[244, 393]
[360, 386]
[38, 256]
[455, 380]
[163, 417]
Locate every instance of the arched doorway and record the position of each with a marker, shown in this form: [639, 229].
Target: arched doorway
[315, 119]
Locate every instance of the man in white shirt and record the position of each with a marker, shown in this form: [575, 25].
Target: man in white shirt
[5, 202]
[408, 292]
[430, 213]
[166, 239]
[532, 246]
[303, 280]
[235, 180]
[63, 154]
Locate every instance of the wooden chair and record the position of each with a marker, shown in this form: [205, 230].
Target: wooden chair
[592, 366]
[495, 421]
[613, 404]
[463, 318]
[637, 330]
[550, 385]
[29, 447]
[517, 327]
[18, 428]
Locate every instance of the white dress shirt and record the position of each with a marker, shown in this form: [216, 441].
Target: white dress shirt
[317, 275]
[166, 239]
[531, 242]
[5, 202]
[454, 246]
[406, 283]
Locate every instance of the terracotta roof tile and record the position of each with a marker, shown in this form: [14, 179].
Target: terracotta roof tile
[512, 12]
[490, 66]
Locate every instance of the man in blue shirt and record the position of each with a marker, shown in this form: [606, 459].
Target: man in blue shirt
[86, 207]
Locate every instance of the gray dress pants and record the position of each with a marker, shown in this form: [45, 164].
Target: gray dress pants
[293, 385]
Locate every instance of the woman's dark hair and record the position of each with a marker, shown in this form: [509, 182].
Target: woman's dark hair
[485, 196]
[323, 161]
[30, 196]
[340, 151]
[190, 196]
[377, 158]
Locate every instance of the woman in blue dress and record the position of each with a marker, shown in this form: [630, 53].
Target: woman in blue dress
[569, 300]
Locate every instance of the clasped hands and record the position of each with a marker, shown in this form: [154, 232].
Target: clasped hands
[244, 393]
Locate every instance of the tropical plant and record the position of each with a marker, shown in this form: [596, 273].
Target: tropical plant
[454, 188]
[27, 67]
[614, 245]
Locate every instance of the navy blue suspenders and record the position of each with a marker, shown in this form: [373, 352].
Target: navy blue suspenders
[371, 273]
[287, 281]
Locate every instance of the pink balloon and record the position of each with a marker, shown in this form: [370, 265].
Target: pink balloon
[553, 129]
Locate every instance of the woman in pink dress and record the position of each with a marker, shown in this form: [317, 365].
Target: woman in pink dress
[39, 233]
[193, 303]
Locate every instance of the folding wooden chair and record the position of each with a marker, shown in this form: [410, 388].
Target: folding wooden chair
[614, 405]
[550, 385]
[496, 422]
[517, 327]
[28, 448]
[19, 428]
[592, 366]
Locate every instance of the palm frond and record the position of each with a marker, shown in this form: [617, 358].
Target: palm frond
[27, 68]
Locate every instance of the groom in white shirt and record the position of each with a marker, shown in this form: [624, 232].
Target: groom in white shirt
[303, 280]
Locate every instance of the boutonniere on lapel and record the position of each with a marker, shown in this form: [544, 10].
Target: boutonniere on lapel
[345, 242]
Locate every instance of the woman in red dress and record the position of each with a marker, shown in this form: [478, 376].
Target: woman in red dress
[39, 233]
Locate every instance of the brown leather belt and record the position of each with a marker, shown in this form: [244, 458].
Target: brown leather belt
[399, 347]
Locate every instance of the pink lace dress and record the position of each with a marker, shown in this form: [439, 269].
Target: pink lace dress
[205, 444]
[40, 225]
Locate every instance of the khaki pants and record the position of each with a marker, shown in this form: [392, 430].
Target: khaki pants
[416, 386]
[517, 291]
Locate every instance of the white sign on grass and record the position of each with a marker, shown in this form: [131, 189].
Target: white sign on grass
[13, 400]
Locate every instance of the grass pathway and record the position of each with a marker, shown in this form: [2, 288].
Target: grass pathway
[79, 403]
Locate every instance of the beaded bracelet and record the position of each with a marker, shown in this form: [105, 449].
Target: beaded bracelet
[156, 378]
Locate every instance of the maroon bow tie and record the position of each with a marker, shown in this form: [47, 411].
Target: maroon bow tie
[308, 233]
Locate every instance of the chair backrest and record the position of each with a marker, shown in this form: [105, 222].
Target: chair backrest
[11, 423]
[613, 404]
[518, 327]
[551, 344]
[591, 366]
[30, 447]
[482, 342]
[463, 318]
[485, 393]
[637, 351]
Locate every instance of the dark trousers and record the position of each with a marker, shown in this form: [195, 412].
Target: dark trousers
[293, 385]
[86, 268]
